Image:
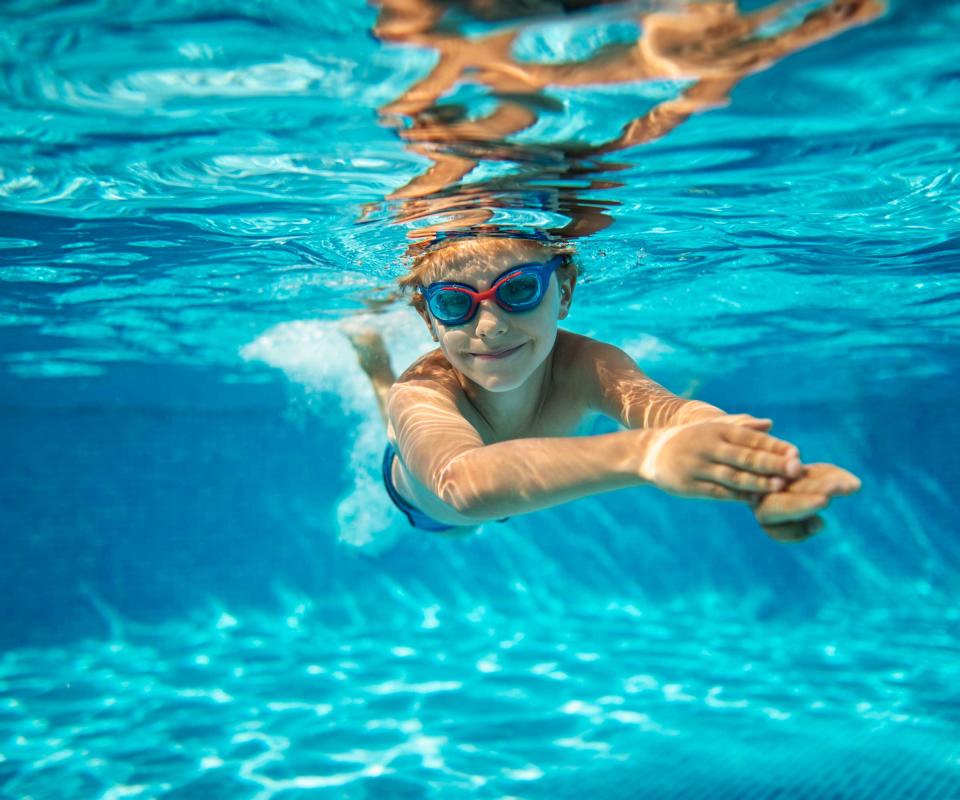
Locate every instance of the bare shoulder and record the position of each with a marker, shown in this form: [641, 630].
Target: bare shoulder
[428, 388]
[602, 373]
[571, 394]
[431, 368]
[581, 356]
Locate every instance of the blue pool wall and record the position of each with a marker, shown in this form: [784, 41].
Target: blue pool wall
[151, 493]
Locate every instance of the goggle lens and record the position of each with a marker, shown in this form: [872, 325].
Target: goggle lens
[519, 290]
[450, 304]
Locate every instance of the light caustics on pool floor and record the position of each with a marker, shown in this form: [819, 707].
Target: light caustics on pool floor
[610, 702]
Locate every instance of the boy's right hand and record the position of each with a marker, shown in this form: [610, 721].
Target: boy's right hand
[730, 458]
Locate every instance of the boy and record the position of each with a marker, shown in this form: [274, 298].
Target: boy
[480, 429]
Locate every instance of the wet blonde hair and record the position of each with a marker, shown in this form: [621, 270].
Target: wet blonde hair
[432, 258]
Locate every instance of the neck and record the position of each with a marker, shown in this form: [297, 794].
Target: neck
[514, 411]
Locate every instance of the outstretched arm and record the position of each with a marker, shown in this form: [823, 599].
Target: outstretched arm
[617, 387]
[788, 513]
[449, 461]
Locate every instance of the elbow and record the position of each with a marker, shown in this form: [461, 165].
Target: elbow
[458, 491]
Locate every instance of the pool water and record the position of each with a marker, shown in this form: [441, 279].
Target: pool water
[208, 591]
[610, 701]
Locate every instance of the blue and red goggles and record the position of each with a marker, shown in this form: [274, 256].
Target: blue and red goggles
[520, 288]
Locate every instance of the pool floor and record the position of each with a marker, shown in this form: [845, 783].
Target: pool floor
[610, 702]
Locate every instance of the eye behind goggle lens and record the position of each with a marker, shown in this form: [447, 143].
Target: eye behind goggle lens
[450, 305]
[518, 291]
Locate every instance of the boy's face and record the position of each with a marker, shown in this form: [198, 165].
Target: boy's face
[532, 333]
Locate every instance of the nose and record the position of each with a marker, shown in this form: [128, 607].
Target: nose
[491, 319]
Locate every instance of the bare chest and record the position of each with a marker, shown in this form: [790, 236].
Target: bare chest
[560, 415]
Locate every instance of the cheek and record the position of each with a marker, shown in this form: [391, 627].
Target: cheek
[545, 315]
[453, 342]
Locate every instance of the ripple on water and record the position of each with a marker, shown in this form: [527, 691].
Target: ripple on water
[42, 275]
[56, 369]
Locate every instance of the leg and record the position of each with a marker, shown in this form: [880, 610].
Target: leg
[374, 360]
[689, 392]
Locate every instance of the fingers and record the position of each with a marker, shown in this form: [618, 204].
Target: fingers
[826, 479]
[745, 419]
[789, 532]
[762, 462]
[745, 437]
[780, 507]
[714, 491]
[758, 425]
[740, 480]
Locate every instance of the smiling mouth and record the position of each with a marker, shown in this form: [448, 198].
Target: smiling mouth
[502, 354]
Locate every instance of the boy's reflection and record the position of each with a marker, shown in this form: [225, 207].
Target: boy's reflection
[712, 45]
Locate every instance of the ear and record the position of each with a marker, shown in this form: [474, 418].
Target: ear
[567, 284]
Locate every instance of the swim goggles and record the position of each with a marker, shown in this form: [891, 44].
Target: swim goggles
[520, 288]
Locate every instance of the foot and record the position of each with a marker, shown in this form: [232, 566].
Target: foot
[371, 351]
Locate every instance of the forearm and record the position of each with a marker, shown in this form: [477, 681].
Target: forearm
[667, 410]
[695, 411]
[523, 475]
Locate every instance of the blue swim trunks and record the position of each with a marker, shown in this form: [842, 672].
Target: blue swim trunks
[417, 518]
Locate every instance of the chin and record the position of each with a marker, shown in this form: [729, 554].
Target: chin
[496, 377]
[496, 383]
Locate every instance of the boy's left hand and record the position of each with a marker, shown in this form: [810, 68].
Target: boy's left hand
[790, 515]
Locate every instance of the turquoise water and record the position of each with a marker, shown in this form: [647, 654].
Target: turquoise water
[208, 592]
